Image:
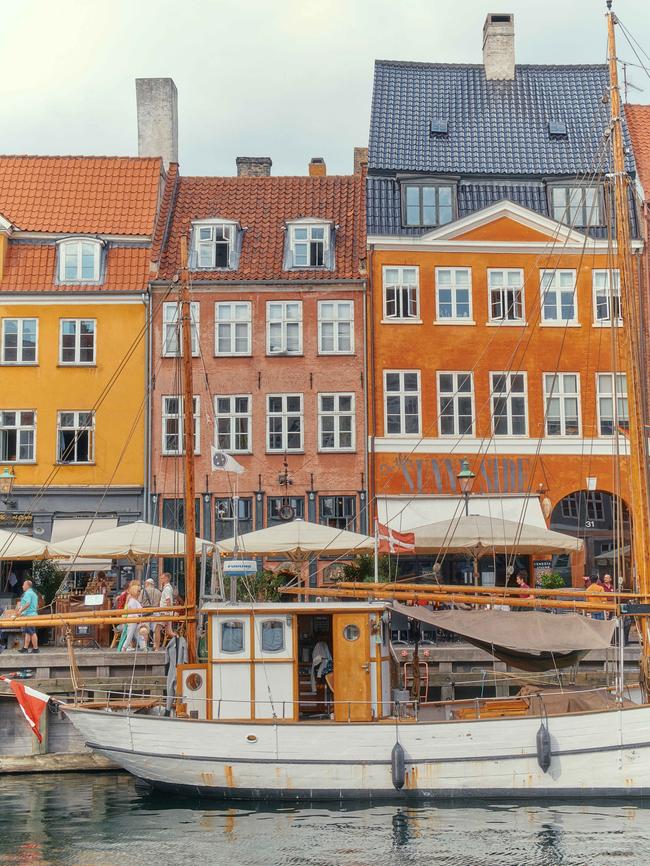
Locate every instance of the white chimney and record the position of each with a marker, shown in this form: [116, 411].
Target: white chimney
[499, 46]
[157, 104]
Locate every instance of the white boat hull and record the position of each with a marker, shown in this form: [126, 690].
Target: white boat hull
[599, 754]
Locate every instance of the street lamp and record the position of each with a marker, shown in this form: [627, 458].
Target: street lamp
[466, 480]
[7, 479]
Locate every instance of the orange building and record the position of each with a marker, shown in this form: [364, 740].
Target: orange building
[494, 308]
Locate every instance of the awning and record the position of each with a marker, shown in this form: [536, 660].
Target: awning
[69, 527]
[405, 513]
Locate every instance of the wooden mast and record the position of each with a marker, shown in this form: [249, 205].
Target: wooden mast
[630, 351]
[188, 452]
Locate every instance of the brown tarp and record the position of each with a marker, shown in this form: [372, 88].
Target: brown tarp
[529, 640]
[570, 700]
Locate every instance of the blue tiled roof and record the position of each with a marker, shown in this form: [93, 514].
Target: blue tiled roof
[495, 127]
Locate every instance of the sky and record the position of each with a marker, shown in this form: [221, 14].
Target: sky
[289, 79]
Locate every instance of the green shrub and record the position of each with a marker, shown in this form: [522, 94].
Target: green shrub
[552, 580]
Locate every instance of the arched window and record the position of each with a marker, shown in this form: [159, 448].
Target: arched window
[80, 260]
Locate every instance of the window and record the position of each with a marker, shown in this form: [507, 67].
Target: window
[455, 404]
[215, 246]
[576, 205]
[75, 437]
[612, 403]
[427, 205]
[284, 422]
[335, 327]
[224, 514]
[562, 398]
[232, 328]
[232, 636]
[172, 425]
[559, 305]
[284, 327]
[77, 341]
[339, 512]
[508, 404]
[336, 422]
[173, 517]
[402, 403]
[454, 294]
[272, 636]
[588, 505]
[79, 261]
[506, 290]
[277, 505]
[309, 245]
[173, 329]
[401, 293]
[607, 298]
[19, 341]
[232, 422]
[17, 436]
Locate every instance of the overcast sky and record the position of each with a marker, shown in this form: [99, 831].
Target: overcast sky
[289, 79]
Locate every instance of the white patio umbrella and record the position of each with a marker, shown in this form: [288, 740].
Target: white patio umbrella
[15, 545]
[298, 539]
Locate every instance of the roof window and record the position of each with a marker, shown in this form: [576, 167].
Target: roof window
[216, 245]
[310, 244]
[557, 129]
[439, 126]
[80, 260]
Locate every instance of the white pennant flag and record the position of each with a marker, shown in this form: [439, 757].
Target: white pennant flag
[222, 462]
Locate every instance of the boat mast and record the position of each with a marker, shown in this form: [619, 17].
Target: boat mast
[188, 451]
[630, 350]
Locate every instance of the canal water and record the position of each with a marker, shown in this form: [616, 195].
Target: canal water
[102, 820]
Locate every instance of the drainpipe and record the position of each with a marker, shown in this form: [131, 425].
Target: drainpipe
[371, 420]
[146, 509]
[366, 391]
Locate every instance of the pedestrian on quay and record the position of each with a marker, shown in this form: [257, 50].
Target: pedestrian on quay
[28, 606]
[166, 600]
[594, 590]
[133, 628]
[150, 597]
[522, 583]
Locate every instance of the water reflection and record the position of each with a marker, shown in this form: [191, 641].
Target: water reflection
[102, 820]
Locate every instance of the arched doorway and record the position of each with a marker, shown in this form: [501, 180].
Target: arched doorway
[600, 519]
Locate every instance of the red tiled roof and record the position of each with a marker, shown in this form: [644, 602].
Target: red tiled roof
[32, 267]
[80, 194]
[165, 211]
[262, 205]
[638, 124]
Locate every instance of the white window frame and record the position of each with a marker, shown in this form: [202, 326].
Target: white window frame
[504, 290]
[284, 415]
[20, 348]
[402, 393]
[555, 382]
[337, 414]
[178, 416]
[21, 428]
[404, 294]
[336, 320]
[614, 293]
[453, 397]
[233, 416]
[77, 427]
[508, 397]
[562, 213]
[309, 226]
[284, 323]
[204, 237]
[172, 329]
[232, 323]
[615, 380]
[78, 243]
[557, 290]
[454, 319]
[77, 362]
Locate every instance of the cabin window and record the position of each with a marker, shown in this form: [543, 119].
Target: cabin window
[232, 636]
[194, 682]
[272, 636]
[351, 632]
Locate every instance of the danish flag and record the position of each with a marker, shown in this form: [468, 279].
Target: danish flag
[391, 541]
[31, 702]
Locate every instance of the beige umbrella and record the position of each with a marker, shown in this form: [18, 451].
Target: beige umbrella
[15, 545]
[298, 539]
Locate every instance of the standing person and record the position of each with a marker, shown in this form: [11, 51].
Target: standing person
[12, 582]
[593, 590]
[166, 600]
[522, 583]
[608, 586]
[150, 597]
[28, 606]
[133, 629]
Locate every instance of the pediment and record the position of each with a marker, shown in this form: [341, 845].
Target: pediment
[5, 224]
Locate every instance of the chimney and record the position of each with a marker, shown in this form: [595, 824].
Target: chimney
[253, 166]
[360, 159]
[317, 167]
[499, 46]
[157, 105]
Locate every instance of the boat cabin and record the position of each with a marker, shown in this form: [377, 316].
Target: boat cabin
[298, 661]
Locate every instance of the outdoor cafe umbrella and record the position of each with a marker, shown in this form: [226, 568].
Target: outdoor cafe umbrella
[15, 545]
[297, 540]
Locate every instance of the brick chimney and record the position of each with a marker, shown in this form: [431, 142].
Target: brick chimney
[253, 166]
[360, 159]
[317, 167]
[499, 46]
[157, 109]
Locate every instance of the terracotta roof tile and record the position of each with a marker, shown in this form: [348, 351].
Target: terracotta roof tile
[80, 194]
[262, 205]
[638, 122]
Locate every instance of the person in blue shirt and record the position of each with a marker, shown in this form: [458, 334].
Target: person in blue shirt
[28, 606]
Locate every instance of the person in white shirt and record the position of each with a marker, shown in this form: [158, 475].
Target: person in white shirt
[166, 600]
[133, 628]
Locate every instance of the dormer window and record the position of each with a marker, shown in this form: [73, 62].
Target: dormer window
[216, 245]
[80, 260]
[310, 245]
[427, 204]
[576, 205]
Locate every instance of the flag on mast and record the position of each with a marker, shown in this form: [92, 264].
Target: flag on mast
[392, 541]
[223, 462]
[31, 702]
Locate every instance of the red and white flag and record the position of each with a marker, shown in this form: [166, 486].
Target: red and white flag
[32, 703]
[392, 541]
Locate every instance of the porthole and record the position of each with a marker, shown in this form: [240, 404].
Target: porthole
[194, 682]
[351, 632]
